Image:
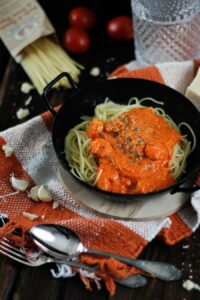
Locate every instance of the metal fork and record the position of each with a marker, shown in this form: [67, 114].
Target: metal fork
[19, 255]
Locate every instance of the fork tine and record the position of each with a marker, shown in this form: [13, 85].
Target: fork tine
[5, 248]
[15, 253]
[6, 243]
[15, 258]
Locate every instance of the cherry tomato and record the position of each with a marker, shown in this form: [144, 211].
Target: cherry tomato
[76, 40]
[120, 28]
[82, 17]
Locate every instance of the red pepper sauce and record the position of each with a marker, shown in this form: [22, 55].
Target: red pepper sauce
[133, 151]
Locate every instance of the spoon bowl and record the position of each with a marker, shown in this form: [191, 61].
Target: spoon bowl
[58, 240]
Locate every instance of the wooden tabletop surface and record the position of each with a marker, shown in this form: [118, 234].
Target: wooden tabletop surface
[19, 282]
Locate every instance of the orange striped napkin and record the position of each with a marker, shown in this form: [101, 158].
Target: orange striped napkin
[34, 159]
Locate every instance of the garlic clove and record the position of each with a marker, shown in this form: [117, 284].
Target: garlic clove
[29, 216]
[7, 150]
[18, 184]
[33, 194]
[44, 194]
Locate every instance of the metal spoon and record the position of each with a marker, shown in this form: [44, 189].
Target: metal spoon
[65, 243]
[132, 281]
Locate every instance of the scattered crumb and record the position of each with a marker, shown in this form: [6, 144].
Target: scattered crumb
[29, 216]
[22, 113]
[185, 246]
[190, 285]
[55, 204]
[26, 87]
[95, 71]
[7, 150]
[28, 101]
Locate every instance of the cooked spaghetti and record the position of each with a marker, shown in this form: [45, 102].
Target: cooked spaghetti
[128, 148]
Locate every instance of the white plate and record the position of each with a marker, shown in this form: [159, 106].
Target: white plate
[138, 210]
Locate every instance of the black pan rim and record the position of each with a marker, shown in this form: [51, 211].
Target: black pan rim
[107, 81]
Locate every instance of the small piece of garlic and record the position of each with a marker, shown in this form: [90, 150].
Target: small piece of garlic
[22, 113]
[95, 71]
[29, 216]
[7, 150]
[26, 87]
[19, 184]
[55, 204]
[44, 193]
[33, 194]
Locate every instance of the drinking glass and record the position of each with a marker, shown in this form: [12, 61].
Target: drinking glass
[166, 30]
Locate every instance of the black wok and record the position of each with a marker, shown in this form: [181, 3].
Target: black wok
[84, 100]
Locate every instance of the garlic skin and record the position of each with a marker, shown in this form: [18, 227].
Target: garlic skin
[19, 184]
[29, 216]
[33, 194]
[7, 150]
[44, 194]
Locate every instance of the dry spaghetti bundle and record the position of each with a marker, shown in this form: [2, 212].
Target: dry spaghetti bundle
[44, 59]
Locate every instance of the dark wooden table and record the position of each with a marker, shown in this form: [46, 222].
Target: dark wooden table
[18, 282]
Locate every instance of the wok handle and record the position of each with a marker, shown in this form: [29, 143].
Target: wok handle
[185, 190]
[51, 84]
